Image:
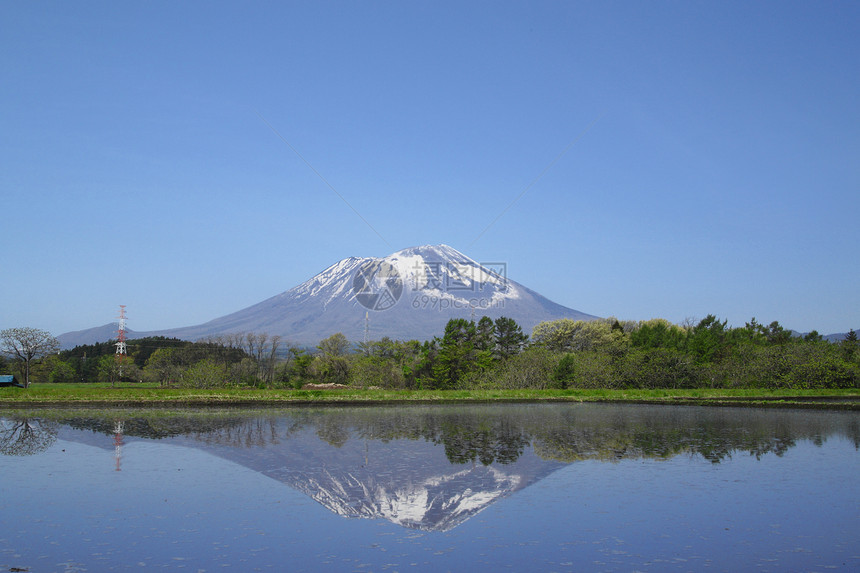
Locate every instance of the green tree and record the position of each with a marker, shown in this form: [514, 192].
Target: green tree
[567, 335]
[142, 348]
[751, 332]
[456, 353]
[419, 371]
[850, 346]
[335, 345]
[113, 369]
[164, 366]
[301, 363]
[565, 371]
[485, 332]
[556, 335]
[294, 371]
[26, 344]
[509, 337]
[531, 368]
[657, 333]
[659, 368]
[706, 340]
[204, 374]
[59, 371]
[107, 369]
[776, 334]
[386, 363]
[332, 367]
[376, 371]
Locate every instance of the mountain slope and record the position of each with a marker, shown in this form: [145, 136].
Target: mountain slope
[410, 294]
[93, 335]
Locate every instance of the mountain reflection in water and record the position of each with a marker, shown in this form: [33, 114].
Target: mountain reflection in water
[432, 467]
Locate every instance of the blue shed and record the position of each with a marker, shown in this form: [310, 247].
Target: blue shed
[8, 380]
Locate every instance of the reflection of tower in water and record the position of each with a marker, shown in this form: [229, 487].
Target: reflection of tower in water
[117, 443]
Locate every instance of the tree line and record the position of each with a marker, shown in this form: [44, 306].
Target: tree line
[565, 353]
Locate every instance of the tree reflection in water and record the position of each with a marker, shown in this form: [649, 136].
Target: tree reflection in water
[486, 434]
[434, 467]
[25, 436]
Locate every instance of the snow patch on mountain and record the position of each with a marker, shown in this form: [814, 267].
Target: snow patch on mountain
[331, 282]
[442, 271]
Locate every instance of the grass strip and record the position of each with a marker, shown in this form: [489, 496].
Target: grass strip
[143, 395]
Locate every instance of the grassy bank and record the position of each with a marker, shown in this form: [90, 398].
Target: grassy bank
[141, 394]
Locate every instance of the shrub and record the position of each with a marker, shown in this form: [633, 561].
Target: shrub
[592, 370]
[204, 374]
[659, 368]
[532, 368]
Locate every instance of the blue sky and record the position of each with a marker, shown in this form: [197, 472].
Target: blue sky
[663, 159]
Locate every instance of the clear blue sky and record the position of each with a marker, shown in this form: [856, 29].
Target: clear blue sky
[715, 164]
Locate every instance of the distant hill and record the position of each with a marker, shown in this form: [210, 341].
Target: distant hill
[410, 294]
[93, 335]
[837, 337]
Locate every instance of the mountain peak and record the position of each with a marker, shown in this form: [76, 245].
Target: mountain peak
[435, 253]
[411, 294]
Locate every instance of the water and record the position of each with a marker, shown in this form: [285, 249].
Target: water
[537, 487]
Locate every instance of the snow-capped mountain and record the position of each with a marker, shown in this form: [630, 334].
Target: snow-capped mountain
[410, 294]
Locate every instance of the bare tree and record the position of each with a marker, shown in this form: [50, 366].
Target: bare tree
[260, 349]
[25, 436]
[271, 357]
[263, 349]
[26, 344]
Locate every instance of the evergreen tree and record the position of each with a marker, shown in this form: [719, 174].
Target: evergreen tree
[485, 332]
[565, 371]
[813, 337]
[456, 353]
[509, 339]
[705, 341]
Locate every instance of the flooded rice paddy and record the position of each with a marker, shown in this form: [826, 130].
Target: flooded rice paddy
[519, 487]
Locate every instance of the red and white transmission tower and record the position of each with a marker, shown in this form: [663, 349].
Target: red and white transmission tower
[117, 443]
[120, 339]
